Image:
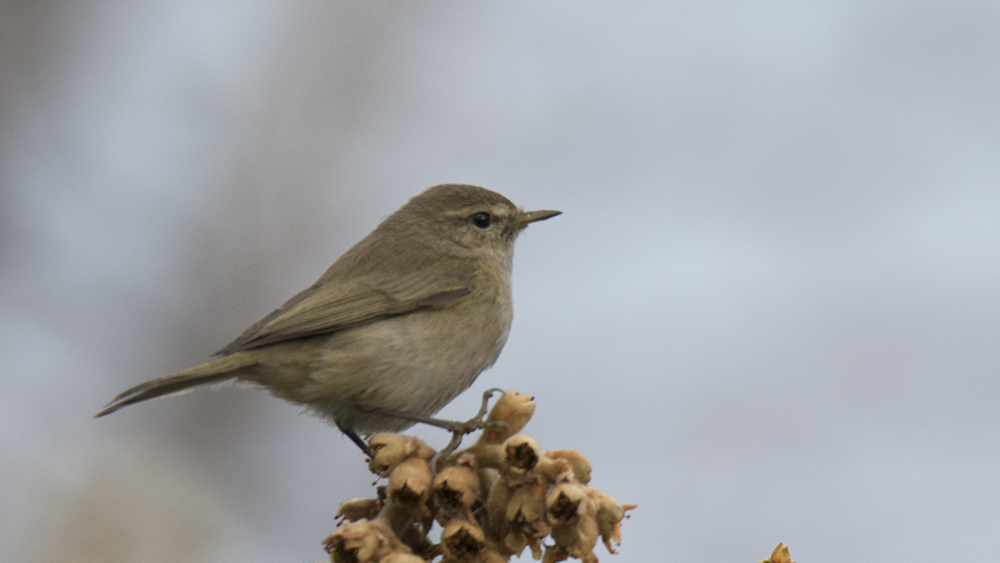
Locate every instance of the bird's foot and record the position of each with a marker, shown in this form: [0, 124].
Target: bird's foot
[458, 429]
[478, 422]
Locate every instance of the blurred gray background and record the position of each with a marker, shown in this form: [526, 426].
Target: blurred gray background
[770, 311]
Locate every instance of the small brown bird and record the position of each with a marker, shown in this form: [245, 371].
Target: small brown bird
[395, 329]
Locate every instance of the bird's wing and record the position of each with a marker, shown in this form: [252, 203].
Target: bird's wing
[330, 306]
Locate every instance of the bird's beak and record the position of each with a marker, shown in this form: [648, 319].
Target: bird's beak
[532, 216]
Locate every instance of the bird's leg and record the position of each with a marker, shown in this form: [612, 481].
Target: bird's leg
[357, 440]
[457, 428]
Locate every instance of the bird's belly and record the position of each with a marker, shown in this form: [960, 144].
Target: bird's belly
[414, 363]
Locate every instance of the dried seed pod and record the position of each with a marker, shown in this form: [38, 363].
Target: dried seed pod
[513, 408]
[527, 503]
[456, 489]
[521, 452]
[358, 508]
[353, 543]
[364, 541]
[565, 502]
[577, 462]
[410, 482]
[409, 523]
[520, 455]
[389, 450]
[462, 541]
[496, 509]
[525, 517]
[578, 538]
[609, 516]
[572, 513]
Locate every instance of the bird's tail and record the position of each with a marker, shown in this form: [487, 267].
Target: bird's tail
[212, 371]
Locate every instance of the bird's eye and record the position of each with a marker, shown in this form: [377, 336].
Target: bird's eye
[481, 219]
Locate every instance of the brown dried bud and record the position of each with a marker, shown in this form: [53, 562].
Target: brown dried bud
[577, 462]
[527, 503]
[409, 523]
[525, 517]
[456, 489]
[577, 538]
[515, 409]
[572, 513]
[609, 517]
[389, 450]
[462, 541]
[565, 502]
[359, 508]
[410, 482]
[364, 541]
[520, 455]
[496, 509]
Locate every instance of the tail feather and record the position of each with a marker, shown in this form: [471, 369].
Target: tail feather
[213, 371]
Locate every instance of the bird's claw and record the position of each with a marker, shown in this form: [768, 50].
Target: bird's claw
[478, 422]
[458, 429]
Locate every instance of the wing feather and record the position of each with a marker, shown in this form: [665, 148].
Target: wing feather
[331, 305]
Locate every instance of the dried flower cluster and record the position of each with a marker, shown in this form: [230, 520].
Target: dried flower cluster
[493, 499]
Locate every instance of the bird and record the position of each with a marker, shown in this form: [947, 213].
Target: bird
[396, 328]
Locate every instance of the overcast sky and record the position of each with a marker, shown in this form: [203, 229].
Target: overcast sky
[770, 311]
